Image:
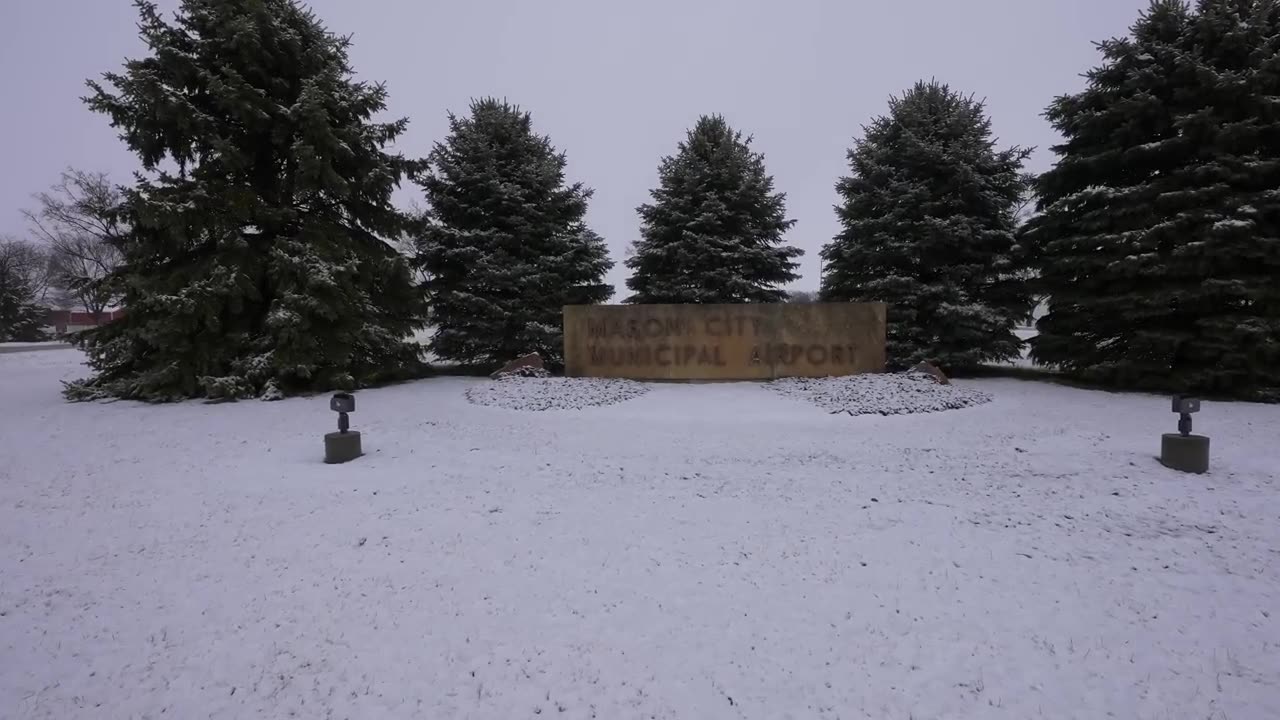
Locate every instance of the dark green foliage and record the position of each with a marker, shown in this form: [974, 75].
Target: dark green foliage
[256, 261]
[23, 267]
[929, 216]
[713, 233]
[1159, 237]
[20, 321]
[505, 246]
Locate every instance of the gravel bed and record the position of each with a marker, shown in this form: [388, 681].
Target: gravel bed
[880, 394]
[554, 393]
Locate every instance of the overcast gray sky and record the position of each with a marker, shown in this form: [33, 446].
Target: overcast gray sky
[615, 84]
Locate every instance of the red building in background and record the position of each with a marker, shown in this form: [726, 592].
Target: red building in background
[61, 322]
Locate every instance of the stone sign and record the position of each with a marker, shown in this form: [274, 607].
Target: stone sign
[723, 342]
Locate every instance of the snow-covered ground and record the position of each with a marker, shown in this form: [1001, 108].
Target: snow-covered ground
[700, 551]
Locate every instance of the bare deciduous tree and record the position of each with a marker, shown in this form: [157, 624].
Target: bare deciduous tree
[80, 220]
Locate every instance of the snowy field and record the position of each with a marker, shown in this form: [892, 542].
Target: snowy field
[697, 551]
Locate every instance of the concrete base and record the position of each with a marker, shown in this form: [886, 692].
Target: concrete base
[1188, 453]
[341, 447]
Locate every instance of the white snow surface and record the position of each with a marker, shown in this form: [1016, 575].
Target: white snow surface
[880, 394]
[701, 551]
[553, 393]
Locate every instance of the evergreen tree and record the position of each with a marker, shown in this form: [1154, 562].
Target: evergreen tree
[20, 321]
[256, 261]
[23, 267]
[929, 218]
[505, 246]
[1159, 236]
[713, 233]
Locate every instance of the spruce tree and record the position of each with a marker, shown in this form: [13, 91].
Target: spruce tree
[23, 266]
[20, 321]
[929, 217]
[713, 233]
[1159, 237]
[257, 261]
[505, 246]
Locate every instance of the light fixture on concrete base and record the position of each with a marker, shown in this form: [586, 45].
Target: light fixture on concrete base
[1182, 450]
[344, 445]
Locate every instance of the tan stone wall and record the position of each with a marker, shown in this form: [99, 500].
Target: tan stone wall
[724, 342]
